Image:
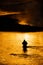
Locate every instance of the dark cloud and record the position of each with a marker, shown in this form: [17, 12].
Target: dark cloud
[32, 10]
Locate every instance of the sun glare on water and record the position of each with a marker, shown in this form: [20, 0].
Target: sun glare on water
[26, 37]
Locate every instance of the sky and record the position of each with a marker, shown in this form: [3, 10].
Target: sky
[31, 11]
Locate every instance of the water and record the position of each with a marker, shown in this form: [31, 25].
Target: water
[11, 51]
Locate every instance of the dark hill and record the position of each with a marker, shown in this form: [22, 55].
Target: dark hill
[9, 24]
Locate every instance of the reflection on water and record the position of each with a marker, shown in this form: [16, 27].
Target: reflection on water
[11, 51]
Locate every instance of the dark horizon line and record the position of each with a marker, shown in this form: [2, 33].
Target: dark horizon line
[21, 28]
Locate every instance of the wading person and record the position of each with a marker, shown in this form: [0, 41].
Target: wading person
[24, 46]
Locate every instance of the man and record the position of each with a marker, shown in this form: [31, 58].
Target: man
[24, 46]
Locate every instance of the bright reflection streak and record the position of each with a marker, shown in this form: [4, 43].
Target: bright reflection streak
[26, 37]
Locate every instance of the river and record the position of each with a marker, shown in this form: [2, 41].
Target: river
[11, 51]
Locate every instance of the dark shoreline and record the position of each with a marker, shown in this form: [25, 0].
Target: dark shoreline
[11, 25]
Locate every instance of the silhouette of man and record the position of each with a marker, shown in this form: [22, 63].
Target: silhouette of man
[24, 46]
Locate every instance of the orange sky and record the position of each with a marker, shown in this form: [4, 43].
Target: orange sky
[7, 13]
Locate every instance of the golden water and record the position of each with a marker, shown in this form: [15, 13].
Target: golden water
[11, 42]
